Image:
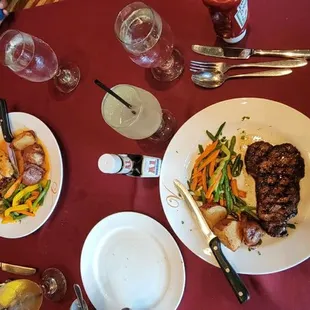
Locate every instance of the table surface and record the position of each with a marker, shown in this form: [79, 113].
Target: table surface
[84, 33]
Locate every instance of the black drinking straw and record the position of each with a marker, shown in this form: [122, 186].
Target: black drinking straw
[112, 93]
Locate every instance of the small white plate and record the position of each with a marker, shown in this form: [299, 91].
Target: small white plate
[24, 121]
[269, 120]
[131, 261]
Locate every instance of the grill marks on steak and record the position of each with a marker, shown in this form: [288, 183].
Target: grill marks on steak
[277, 171]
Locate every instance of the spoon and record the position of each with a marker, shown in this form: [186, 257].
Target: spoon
[79, 295]
[213, 79]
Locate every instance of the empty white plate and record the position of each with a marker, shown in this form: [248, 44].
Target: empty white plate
[130, 260]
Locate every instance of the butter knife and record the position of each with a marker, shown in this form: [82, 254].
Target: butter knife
[7, 133]
[246, 53]
[214, 243]
[20, 270]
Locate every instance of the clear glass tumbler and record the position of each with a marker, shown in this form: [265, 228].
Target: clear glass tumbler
[149, 120]
[32, 59]
[149, 41]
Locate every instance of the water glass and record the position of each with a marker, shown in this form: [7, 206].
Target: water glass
[148, 122]
[32, 59]
[149, 41]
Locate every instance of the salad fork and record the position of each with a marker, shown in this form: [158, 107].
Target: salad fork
[198, 66]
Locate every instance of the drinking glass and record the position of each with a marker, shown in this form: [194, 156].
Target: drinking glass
[32, 59]
[27, 295]
[20, 295]
[148, 121]
[149, 41]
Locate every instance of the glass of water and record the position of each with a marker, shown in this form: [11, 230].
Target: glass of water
[34, 60]
[148, 122]
[149, 41]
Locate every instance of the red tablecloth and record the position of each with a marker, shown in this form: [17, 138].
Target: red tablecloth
[83, 32]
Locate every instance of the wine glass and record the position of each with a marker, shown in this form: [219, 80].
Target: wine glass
[20, 295]
[149, 120]
[149, 41]
[32, 59]
[25, 294]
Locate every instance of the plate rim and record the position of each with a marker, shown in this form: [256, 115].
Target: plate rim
[238, 100]
[57, 197]
[145, 218]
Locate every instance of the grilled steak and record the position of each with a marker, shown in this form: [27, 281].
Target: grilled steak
[277, 171]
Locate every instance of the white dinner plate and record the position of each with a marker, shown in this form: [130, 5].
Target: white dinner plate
[269, 120]
[23, 121]
[130, 260]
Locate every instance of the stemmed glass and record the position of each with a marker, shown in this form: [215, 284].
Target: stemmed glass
[25, 294]
[32, 59]
[149, 41]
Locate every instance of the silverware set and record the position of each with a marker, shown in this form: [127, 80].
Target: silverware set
[213, 74]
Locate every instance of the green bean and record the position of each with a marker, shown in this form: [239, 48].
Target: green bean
[217, 194]
[235, 165]
[240, 201]
[200, 148]
[229, 202]
[289, 225]
[188, 184]
[42, 195]
[232, 144]
[226, 144]
[210, 135]
[20, 217]
[6, 203]
[40, 187]
[219, 131]
[238, 170]
[23, 200]
[251, 214]
[203, 196]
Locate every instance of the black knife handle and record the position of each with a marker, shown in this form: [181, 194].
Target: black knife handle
[5, 123]
[233, 278]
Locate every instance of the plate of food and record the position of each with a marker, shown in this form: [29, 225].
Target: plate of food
[245, 162]
[31, 175]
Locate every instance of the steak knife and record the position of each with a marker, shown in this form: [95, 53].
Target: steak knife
[7, 133]
[246, 53]
[214, 243]
[20, 270]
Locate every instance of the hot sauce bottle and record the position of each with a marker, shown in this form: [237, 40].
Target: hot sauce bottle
[130, 164]
[229, 17]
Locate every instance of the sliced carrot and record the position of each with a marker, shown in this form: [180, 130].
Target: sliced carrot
[197, 174]
[12, 189]
[204, 180]
[211, 168]
[213, 186]
[26, 213]
[29, 204]
[210, 199]
[211, 158]
[234, 188]
[210, 148]
[242, 194]
[222, 202]
[229, 174]
[20, 161]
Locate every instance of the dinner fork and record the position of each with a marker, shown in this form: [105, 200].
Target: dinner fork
[198, 66]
